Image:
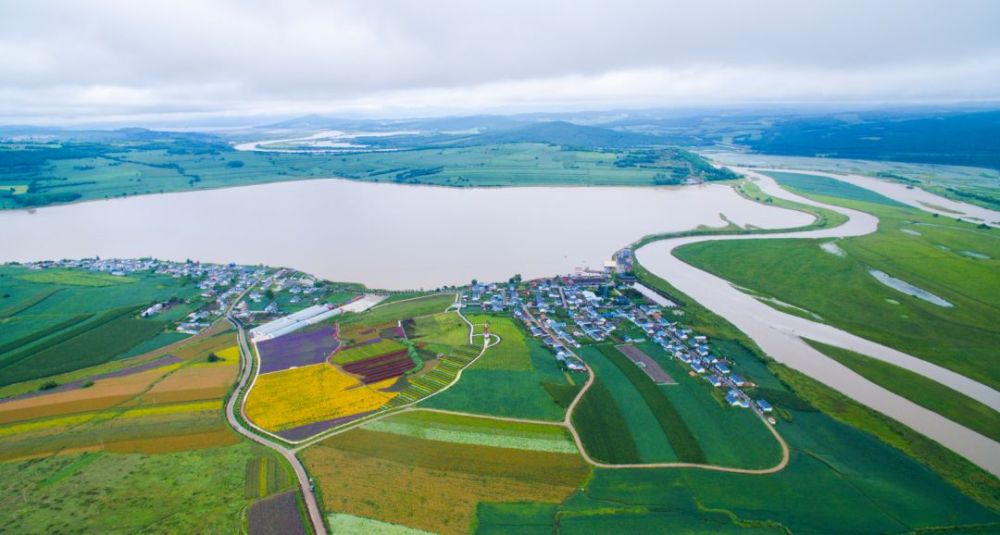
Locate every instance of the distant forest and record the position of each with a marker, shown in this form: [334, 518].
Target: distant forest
[971, 139]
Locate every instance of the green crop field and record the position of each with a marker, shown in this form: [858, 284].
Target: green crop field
[97, 492]
[602, 427]
[361, 352]
[462, 429]
[539, 392]
[55, 321]
[932, 255]
[725, 435]
[642, 422]
[925, 392]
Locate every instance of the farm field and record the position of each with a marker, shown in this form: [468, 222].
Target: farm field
[277, 515]
[163, 403]
[297, 349]
[100, 492]
[56, 321]
[310, 394]
[639, 418]
[928, 252]
[517, 378]
[726, 436]
[460, 429]
[431, 485]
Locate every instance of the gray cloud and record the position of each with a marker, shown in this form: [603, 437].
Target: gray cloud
[67, 61]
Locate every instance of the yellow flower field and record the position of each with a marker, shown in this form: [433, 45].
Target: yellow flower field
[300, 396]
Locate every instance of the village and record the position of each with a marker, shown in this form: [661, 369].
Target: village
[587, 307]
[221, 288]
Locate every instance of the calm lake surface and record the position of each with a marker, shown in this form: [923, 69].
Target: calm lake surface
[383, 235]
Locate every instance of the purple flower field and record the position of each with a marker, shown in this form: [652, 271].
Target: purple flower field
[277, 515]
[297, 349]
[308, 430]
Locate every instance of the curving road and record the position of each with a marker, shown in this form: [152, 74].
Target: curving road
[780, 334]
[247, 372]
[568, 424]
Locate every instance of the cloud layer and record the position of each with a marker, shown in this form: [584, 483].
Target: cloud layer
[141, 61]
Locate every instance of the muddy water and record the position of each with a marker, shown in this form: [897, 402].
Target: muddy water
[779, 335]
[384, 235]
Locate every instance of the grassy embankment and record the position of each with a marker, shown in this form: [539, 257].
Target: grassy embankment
[925, 392]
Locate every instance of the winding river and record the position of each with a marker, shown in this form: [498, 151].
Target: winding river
[780, 334]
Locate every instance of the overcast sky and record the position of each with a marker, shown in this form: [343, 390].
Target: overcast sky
[199, 60]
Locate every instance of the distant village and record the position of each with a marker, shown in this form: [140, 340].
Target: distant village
[586, 307]
[275, 291]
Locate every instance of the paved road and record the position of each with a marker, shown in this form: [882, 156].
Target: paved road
[246, 374]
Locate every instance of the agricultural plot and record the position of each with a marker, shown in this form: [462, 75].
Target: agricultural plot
[382, 367]
[442, 328]
[512, 354]
[97, 492]
[673, 426]
[373, 347]
[56, 321]
[602, 427]
[297, 349]
[311, 394]
[642, 422]
[462, 429]
[165, 403]
[277, 515]
[725, 435]
[541, 392]
[433, 485]
[266, 475]
[343, 524]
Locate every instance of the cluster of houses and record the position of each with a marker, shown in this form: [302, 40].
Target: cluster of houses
[586, 307]
[220, 284]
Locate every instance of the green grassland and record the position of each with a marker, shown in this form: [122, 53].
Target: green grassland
[183, 492]
[58, 173]
[843, 293]
[56, 321]
[517, 378]
[925, 392]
